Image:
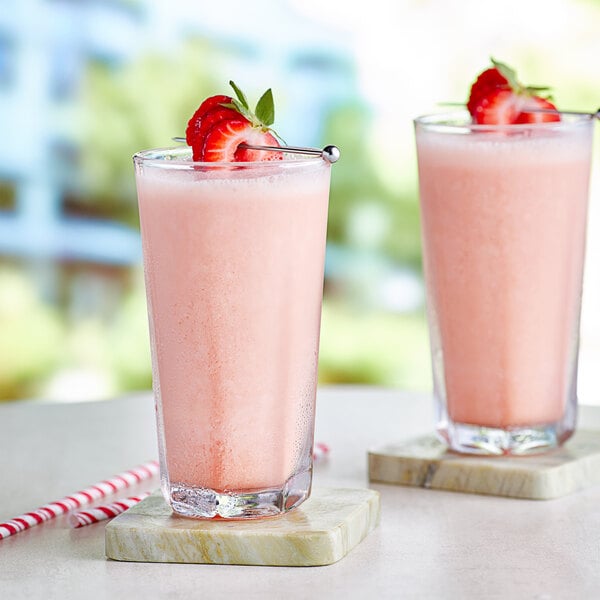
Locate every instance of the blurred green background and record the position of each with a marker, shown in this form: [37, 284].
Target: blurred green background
[83, 85]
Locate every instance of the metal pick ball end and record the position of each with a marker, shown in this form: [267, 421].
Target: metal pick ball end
[330, 153]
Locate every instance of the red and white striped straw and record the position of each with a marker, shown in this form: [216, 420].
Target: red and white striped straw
[82, 518]
[320, 451]
[78, 499]
[98, 491]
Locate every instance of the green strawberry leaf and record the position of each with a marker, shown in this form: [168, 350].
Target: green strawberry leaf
[265, 108]
[264, 114]
[241, 96]
[238, 107]
[538, 90]
[509, 74]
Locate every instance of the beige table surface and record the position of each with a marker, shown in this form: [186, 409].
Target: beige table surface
[430, 544]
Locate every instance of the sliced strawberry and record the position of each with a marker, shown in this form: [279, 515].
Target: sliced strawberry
[536, 102]
[195, 122]
[209, 112]
[209, 120]
[498, 107]
[487, 81]
[223, 140]
[260, 139]
[498, 98]
[222, 123]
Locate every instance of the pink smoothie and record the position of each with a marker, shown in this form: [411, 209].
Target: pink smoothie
[504, 220]
[234, 277]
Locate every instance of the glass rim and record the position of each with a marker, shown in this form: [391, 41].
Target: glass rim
[158, 157]
[459, 121]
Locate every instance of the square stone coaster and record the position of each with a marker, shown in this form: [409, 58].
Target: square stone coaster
[427, 463]
[320, 531]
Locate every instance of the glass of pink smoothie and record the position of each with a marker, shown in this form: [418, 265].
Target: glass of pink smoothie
[233, 261]
[503, 223]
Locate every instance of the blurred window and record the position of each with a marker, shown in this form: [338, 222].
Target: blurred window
[7, 60]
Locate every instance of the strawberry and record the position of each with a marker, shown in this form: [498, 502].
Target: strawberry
[498, 107]
[222, 123]
[487, 81]
[498, 98]
[207, 114]
[537, 117]
[223, 140]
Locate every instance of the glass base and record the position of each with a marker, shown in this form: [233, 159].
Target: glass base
[517, 441]
[203, 503]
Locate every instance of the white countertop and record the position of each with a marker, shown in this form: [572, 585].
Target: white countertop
[430, 544]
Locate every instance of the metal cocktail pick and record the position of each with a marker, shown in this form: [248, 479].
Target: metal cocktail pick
[551, 111]
[330, 153]
[581, 113]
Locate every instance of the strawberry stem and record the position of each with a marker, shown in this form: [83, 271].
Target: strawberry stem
[264, 114]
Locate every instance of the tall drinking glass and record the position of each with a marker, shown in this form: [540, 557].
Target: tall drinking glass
[503, 225]
[233, 260]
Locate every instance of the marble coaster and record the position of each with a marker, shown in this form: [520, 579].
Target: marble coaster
[319, 532]
[427, 463]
